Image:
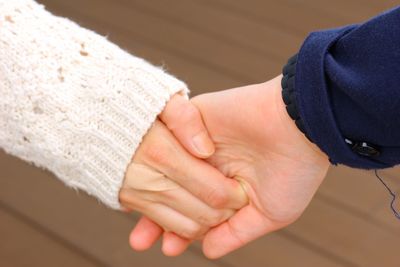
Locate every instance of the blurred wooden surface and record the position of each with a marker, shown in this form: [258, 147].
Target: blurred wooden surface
[212, 45]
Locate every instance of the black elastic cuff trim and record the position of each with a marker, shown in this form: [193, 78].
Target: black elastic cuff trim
[288, 95]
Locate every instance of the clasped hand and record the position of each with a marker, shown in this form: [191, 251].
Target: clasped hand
[226, 168]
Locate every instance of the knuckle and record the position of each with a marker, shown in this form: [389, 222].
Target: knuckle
[191, 231]
[156, 155]
[130, 199]
[125, 195]
[169, 196]
[210, 220]
[190, 112]
[163, 155]
[217, 198]
[179, 113]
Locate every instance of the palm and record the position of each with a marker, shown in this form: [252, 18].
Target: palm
[255, 143]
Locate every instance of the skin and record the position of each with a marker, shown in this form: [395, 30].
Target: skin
[258, 144]
[194, 206]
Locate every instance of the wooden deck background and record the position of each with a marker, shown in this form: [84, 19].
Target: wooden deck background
[212, 45]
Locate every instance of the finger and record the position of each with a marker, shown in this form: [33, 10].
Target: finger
[174, 245]
[167, 218]
[188, 205]
[245, 226]
[185, 122]
[205, 182]
[145, 234]
[151, 185]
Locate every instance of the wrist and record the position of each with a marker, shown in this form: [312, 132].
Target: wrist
[291, 131]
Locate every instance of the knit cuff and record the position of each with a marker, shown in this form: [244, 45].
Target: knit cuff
[115, 138]
[72, 102]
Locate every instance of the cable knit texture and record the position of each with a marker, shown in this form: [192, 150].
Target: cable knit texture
[71, 101]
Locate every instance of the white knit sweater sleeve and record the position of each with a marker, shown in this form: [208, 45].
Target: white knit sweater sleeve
[71, 101]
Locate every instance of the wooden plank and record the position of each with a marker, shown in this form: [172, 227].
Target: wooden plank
[349, 11]
[359, 189]
[380, 4]
[200, 78]
[392, 175]
[250, 35]
[177, 39]
[24, 246]
[350, 237]
[267, 41]
[361, 194]
[290, 17]
[385, 215]
[301, 16]
[273, 250]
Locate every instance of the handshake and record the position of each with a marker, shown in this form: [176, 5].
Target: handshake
[224, 168]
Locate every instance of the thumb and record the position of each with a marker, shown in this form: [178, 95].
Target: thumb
[243, 227]
[184, 120]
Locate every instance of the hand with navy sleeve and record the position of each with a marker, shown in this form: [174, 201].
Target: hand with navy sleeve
[258, 144]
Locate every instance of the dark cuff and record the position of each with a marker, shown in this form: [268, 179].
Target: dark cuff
[289, 98]
[306, 94]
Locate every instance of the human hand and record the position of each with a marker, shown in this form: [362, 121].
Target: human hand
[164, 179]
[257, 143]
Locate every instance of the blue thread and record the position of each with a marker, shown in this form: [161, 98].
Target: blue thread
[396, 213]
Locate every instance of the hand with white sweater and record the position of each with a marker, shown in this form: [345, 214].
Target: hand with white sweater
[181, 193]
[76, 104]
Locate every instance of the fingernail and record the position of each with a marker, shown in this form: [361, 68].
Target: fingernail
[203, 144]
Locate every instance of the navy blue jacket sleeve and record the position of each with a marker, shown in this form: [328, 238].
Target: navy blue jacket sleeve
[347, 87]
